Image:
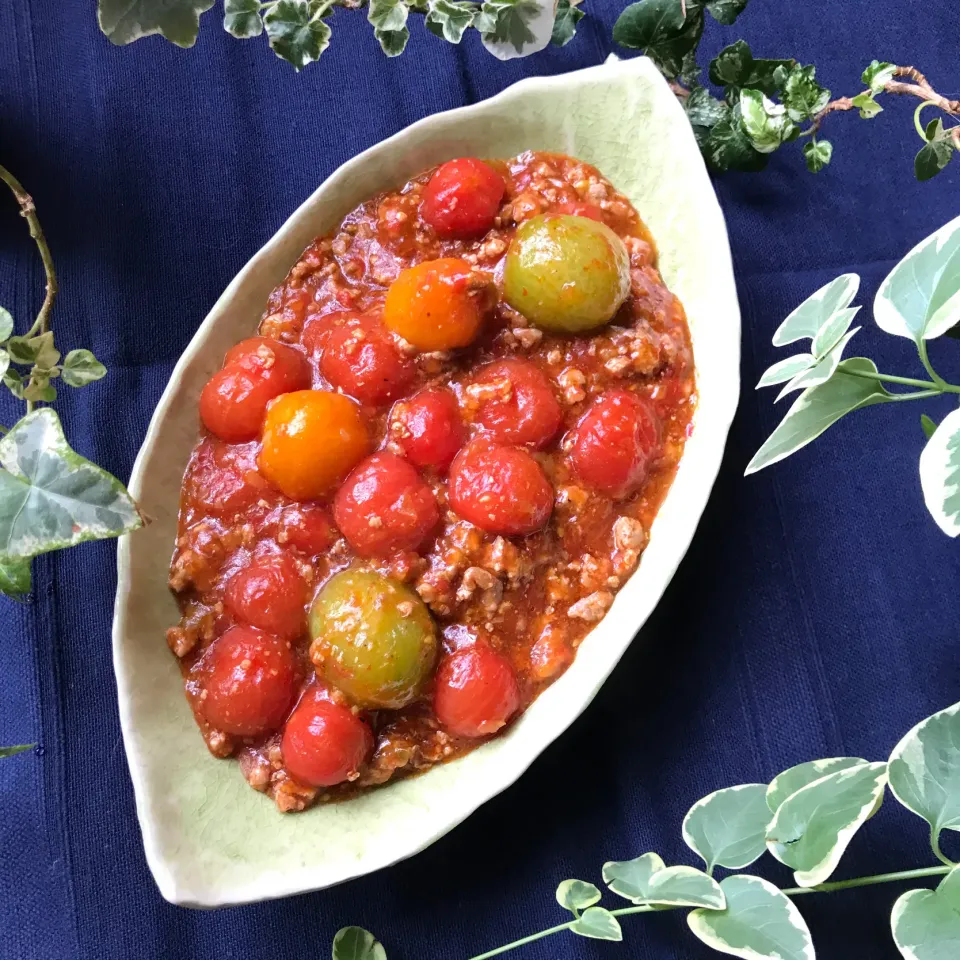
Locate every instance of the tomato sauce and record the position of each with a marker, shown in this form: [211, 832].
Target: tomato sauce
[506, 475]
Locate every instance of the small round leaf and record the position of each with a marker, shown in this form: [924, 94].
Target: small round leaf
[597, 923]
[729, 827]
[576, 895]
[926, 923]
[355, 943]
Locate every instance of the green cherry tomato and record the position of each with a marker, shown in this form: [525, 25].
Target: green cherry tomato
[566, 274]
[373, 638]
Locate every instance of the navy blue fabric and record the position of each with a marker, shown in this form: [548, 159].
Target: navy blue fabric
[815, 615]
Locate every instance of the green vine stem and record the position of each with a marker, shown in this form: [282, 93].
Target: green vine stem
[790, 892]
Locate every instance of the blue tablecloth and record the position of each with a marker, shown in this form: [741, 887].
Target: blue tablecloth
[815, 615]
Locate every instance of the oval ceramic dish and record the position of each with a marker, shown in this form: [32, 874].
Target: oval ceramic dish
[209, 838]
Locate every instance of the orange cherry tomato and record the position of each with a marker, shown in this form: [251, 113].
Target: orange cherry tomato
[311, 440]
[433, 305]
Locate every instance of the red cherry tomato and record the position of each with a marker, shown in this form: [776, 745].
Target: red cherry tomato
[384, 507]
[269, 594]
[324, 743]
[428, 428]
[476, 692]
[462, 198]
[234, 401]
[306, 527]
[577, 209]
[518, 407]
[614, 443]
[251, 683]
[318, 330]
[223, 479]
[362, 360]
[500, 489]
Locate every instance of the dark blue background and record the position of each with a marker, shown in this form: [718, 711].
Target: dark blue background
[815, 615]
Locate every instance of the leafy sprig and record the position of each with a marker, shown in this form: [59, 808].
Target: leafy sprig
[805, 818]
[919, 300]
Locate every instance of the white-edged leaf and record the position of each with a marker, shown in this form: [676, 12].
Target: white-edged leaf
[81, 367]
[449, 19]
[647, 880]
[822, 370]
[295, 33]
[940, 474]
[817, 409]
[920, 297]
[15, 581]
[597, 923]
[833, 329]
[787, 369]
[50, 496]
[924, 769]
[124, 21]
[576, 895]
[728, 828]
[819, 307]
[6, 324]
[796, 778]
[355, 943]
[515, 28]
[241, 18]
[759, 923]
[813, 827]
[926, 923]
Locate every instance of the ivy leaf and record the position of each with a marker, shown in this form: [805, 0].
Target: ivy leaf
[4, 362]
[728, 147]
[355, 943]
[817, 153]
[513, 28]
[869, 107]
[449, 19]
[6, 324]
[50, 496]
[577, 895]
[565, 24]
[765, 122]
[803, 96]
[877, 75]
[597, 923]
[787, 369]
[124, 21]
[759, 923]
[933, 157]
[39, 388]
[14, 382]
[813, 827]
[241, 18]
[817, 310]
[822, 370]
[14, 577]
[920, 297]
[726, 11]
[704, 110]
[37, 350]
[940, 473]
[728, 828]
[392, 42]
[296, 31]
[388, 15]
[924, 768]
[927, 425]
[732, 65]
[81, 367]
[832, 329]
[818, 408]
[926, 923]
[647, 880]
[796, 778]
[13, 751]
[660, 29]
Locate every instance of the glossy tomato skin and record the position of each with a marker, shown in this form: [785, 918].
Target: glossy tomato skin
[520, 408]
[500, 489]
[311, 440]
[476, 692]
[234, 400]
[324, 743]
[224, 479]
[462, 198]
[428, 427]
[434, 305]
[251, 683]
[614, 442]
[319, 329]
[362, 359]
[384, 506]
[269, 594]
[580, 209]
[307, 528]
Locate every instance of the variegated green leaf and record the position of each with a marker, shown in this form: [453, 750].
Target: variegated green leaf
[926, 923]
[6, 324]
[296, 31]
[728, 828]
[940, 474]
[813, 827]
[877, 74]
[124, 21]
[576, 895]
[15, 580]
[822, 370]
[13, 751]
[928, 425]
[355, 943]
[796, 778]
[828, 336]
[787, 369]
[817, 409]
[597, 923]
[50, 496]
[759, 923]
[515, 28]
[817, 309]
[924, 769]
[241, 18]
[449, 19]
[920, 297]
[647, 880]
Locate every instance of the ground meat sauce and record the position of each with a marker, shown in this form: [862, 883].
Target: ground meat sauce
[481, 479]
